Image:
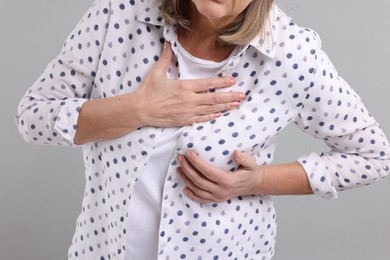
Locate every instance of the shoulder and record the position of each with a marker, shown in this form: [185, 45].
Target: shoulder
[148, 11]
[294, 38]
[114, 7]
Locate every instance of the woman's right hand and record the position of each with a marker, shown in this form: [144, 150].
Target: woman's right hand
[163, 102]
[159, 102]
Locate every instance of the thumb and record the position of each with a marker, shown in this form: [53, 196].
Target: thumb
[164, 60]
[244, 159]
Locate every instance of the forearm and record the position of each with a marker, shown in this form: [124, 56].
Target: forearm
[206, 183]
[283, 179]
[108, 118]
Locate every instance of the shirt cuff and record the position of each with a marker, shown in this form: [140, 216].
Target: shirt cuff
[66, 120]
[318, 176]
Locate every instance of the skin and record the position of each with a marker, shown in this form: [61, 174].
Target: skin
[216, 14]
[206, 183]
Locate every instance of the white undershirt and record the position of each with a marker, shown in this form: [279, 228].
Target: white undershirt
[145, 205]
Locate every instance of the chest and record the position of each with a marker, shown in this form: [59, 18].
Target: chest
[251, 128]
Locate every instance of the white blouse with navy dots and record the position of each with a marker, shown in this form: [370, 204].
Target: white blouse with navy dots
[287, 78]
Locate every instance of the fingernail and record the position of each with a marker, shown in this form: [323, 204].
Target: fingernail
[235, 104]
[179, 158]
[242, 96]
[239, 155]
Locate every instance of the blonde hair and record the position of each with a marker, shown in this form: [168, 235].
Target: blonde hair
[249, 24]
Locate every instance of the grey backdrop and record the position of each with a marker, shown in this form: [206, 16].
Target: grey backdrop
[40, 194]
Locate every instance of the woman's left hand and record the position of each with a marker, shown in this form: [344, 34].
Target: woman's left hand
[206, 183]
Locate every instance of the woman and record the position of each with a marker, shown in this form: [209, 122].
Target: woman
[178, 152]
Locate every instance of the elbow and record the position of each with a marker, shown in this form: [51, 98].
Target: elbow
[23, 129]
[386, 168]
[379, 163]
[380, 167]
[22, 120]
[384, 162]
[31, 127]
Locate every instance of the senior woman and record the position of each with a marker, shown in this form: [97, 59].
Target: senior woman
[176, 105]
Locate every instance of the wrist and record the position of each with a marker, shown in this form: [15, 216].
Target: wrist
[136, 110]
[259, 180]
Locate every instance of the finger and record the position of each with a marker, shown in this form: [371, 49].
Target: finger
[204, 118]
[220, 97]
[164, 60]
[194, 188]
[244, 159]
[212, 109]
[204, 85]
[196, 177]
[210, 172]
[195, 197]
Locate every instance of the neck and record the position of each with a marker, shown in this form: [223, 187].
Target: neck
[202, 41]
[203, 26]
[203, 46]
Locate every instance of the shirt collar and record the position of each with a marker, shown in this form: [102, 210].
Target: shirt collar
[151, 13]
[265, 42]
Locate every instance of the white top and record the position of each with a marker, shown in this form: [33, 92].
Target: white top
[145, 205]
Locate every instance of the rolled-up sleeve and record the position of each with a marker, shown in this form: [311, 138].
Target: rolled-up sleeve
[331, 111]
[48, 112]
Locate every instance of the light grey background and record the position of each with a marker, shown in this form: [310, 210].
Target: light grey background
[40, 194]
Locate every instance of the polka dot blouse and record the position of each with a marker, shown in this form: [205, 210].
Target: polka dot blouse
[287, 78]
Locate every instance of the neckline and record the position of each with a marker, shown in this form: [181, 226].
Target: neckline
[201, 61]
